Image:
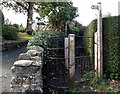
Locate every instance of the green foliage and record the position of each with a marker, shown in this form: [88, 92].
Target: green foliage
[49, 39]
[90, 80]
[1, 23]
[1, 18]
[16, 26]
[10, 32]
[58, 13]
[29, 32]
[110, 44]
[40, 39]
[74, 29]
[88, 42]
[111, 47]
[77, 29]
[88, 39]
[21, 28]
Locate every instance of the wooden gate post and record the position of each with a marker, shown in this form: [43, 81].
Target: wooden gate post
[71, 52]
[66, 53]
[96, 52]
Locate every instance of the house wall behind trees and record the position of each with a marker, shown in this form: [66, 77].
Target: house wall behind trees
[111, 45]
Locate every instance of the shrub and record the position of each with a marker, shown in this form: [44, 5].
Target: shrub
[21, 29]
[74, 29]
[16, 26]
[77, 31]
[9, 32]
[29, 32]
[40, 39]
[49, 39]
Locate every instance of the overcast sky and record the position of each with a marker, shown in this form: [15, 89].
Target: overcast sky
[86, 14]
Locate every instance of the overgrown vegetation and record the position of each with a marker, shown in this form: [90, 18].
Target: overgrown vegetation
[48, 39]
[77, 29]
[110, 44]
[90, 83]
[40, 39]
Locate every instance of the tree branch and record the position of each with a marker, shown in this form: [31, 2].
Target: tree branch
[20, 4]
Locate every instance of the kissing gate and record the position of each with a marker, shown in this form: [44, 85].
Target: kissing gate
[65, 64]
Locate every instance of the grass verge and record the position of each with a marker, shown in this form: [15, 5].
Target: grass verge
[21, 37]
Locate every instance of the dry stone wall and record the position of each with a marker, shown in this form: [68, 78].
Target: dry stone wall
[27, 71]
[4, 46]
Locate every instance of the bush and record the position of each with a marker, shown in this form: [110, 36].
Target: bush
[21, 29]
[10, 32]
[74, 29]
[16, 26]
[40, 39]
[77, 31]
[29, 32]
[49, 39]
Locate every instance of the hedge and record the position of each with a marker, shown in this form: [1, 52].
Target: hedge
[88, 40]
[111, 45]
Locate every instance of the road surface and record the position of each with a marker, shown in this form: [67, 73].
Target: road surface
[8, 58]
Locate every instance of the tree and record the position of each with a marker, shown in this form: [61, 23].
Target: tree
[1, 18]
[22, 7]
[58, 13]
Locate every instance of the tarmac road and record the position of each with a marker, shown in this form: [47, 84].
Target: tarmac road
[8, 58]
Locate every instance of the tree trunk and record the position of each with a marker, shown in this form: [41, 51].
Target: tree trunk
[30, 16]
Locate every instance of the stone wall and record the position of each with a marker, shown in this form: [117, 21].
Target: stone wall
[10, 45]
[27, 71]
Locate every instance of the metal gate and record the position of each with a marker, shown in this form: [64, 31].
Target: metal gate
[55, 79]
[84, 62]
[56, 73]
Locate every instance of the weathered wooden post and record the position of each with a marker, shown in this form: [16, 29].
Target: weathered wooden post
[98, 42]
[71, 63]
[96, 51]
[100, 46]
[66, 52]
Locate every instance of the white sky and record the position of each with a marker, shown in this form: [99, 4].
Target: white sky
[86, 14]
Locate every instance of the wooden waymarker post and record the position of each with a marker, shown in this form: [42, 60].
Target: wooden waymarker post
[99, 44]
[71, 63]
